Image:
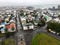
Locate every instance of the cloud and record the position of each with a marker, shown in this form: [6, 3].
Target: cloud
[28, 2]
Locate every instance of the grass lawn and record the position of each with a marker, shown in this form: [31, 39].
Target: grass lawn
[44, 39]
[9, 42]
[2, 35]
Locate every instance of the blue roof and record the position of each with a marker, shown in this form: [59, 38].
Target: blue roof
[3, 23]
[2, 28]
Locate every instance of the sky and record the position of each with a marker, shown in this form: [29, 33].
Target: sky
[28, 2]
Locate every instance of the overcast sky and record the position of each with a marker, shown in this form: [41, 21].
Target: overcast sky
[28, 2]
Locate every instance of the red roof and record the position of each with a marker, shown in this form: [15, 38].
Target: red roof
[12, 25]
[0, 21]
[7, 26]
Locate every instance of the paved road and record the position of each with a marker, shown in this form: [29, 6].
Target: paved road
[19, 32]
[27, 34]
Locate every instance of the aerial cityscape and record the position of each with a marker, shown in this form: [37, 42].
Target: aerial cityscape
[32, 22]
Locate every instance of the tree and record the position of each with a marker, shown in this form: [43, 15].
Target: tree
[55, 26]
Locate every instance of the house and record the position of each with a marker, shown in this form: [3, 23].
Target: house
[57, 20]
[2, 28]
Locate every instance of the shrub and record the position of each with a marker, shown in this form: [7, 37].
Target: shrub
[41, 22]
[9, 42]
